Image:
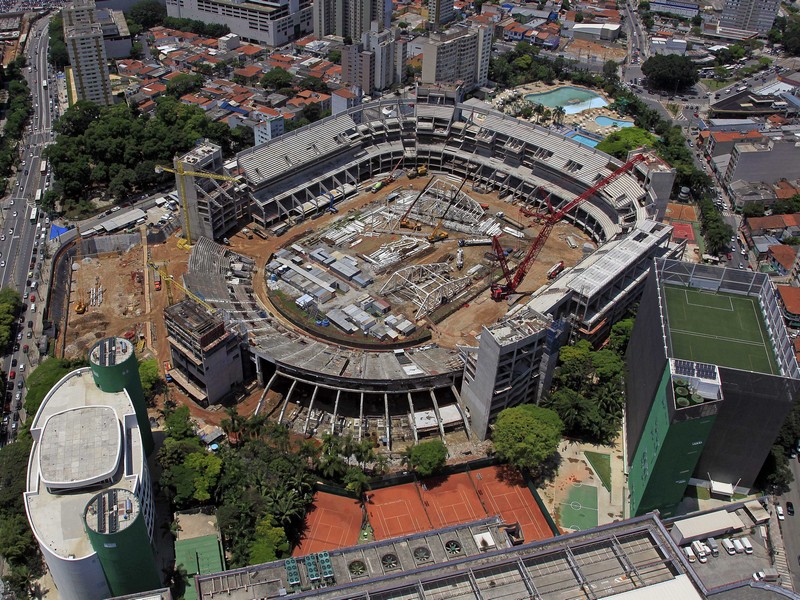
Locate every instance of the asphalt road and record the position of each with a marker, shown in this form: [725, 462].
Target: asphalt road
[20, 236]
[791, 526]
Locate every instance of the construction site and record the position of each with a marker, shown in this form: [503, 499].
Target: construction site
[411, 271]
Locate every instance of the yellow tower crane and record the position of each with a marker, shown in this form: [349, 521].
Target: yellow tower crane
[169, 279]
[182, 173]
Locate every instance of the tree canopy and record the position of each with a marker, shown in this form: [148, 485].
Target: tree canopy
[44, 377]
[57, 53]
[277, 78]
[116, 150]
[619, 143]
[427, 458]
[527, 435]
[670, 72]
[147, 14]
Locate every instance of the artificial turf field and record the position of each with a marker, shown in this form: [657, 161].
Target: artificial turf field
[720, 329]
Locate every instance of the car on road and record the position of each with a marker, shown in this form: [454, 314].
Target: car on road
[29, 334]
[741, 266]
[16, 347]
[12, 375]
[2, 264]
[33, 297]
[779, 512]
[730, 256]
[790, 509]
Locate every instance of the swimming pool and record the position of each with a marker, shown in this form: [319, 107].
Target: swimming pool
[574, 100]
[608, 122]
[586, 141]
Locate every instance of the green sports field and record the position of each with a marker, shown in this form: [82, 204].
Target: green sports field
[720, 329]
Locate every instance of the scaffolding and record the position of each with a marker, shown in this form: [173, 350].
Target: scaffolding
[427, 286]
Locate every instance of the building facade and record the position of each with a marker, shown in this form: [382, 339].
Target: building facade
[83, 36]
[750, 15]
[269, 23]
[440, 13]
[376, 63]
[459, 55]
[350, 18]
[768, 161]
[215, 203]
[206, 358]
[89, 499]
[689, 419]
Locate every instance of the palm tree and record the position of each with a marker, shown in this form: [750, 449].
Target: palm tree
[232, 426]
[538, 110]
[558, 114]
[547, 114]
[357, 482]
[309, 451]
[380, 465]
[286, 506]
[364, 452]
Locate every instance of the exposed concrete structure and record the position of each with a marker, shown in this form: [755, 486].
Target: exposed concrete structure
[206, 358]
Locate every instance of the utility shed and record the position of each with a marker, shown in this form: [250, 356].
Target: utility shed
[710, 524]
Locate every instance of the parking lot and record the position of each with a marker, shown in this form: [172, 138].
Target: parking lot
[727, 568]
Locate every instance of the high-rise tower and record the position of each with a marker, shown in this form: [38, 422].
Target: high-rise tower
[87, 53]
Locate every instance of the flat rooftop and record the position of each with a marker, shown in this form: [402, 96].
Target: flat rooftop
[111, 351]
[455, 563]
[718, 328]
[56, 519]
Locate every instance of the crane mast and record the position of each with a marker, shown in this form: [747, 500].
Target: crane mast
[500, 291]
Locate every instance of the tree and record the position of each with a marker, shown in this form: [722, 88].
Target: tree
[426, 458]
[147, 13]
[276, 79]
[335, 56]
[315, 84]
[150, 377]
[670, 72]
[287, 506]
[620, 142]
[527, 435]
[178, 424]
[356, 481]
[184, 83]
[270, 543]
[610, 70]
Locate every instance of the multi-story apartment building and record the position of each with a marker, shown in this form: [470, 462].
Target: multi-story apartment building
[750, 15]
[350, 18]
[440, 13]
[269, 125]
[215, 204]
[272, 23]
[206, 359]
[460, 54]
[89, 497]
[376, 63]
[768, 161]
[87, 54]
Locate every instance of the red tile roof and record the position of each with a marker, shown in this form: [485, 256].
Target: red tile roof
[773, 222]
[732, 136]
[784, 255]
[790, 296]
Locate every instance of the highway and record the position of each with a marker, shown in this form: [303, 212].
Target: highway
[21, 241]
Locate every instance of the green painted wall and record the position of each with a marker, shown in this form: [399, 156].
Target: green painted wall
[125, 375]
[666, 457]
[127, 557]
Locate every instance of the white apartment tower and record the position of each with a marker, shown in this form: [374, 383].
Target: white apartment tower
[377, 62]
[460, 54]
[750, 15]
[440, 13]
[350, 18]
[87, 53]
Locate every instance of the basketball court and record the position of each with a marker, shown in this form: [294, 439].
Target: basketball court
[451, 500]
[396, 511]
[332, 522]
[504, 493]
[682, 231]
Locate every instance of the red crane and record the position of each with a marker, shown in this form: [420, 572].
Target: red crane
[501, 291]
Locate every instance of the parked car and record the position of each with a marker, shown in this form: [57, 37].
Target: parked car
[790, 509]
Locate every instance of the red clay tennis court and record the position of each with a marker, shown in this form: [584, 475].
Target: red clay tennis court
[332, 522]
[451, 500]
[504, 492]
[396, 511]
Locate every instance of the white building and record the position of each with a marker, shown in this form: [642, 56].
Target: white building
[460, 54]
[87, 54]
[269, 124]
[273, 24]
[440, 13]
[85, 441]
[376, 63]
[750, 15]
[350, 18]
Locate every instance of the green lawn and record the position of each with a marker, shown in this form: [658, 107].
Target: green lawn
[720, 329]
[601, 463]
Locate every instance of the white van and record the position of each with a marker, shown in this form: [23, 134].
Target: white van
[728, 545]
[700, 551]
[748, 547]
[33, 307]
[738, 547]
[690, 554]
[34, 285]
[713, 546]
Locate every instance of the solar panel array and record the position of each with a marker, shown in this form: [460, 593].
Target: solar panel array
[688, 368]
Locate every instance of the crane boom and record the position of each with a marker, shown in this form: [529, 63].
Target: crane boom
[435, 236]
[499, 292]
[410, 206]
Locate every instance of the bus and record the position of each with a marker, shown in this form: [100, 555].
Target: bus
[38, 196]
[43, 167]
[710, 259]
[34, 214]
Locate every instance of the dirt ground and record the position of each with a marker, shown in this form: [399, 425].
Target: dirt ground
[462, 326]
